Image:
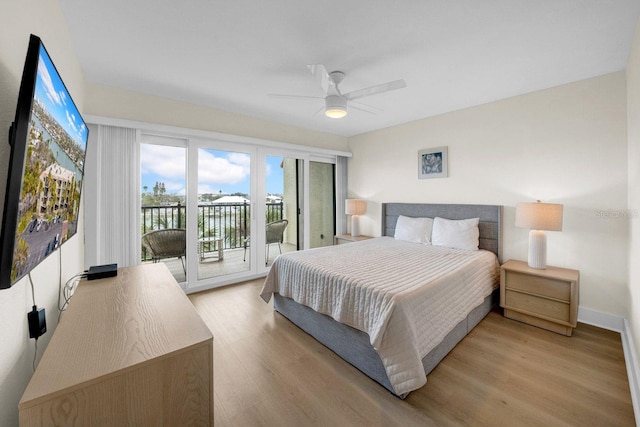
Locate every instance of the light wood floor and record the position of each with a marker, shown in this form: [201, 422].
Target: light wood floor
[267, 372]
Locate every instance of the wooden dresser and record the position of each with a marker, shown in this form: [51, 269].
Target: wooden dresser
[544, 298]
[130, 350]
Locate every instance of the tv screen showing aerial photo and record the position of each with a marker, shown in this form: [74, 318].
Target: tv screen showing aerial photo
[53, 171]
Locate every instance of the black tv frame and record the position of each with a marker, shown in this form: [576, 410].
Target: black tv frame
[18, 139]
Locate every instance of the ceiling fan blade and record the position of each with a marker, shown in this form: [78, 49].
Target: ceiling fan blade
[321, 75]
[365, 107]
[356, 107]
[373, 90]
[283, 96]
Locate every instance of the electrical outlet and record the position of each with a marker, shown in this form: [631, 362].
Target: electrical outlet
[37, 322]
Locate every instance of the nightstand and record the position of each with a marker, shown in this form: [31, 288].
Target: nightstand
[348, 238]
[546, 298]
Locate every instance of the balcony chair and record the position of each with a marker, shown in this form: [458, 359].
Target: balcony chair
[168, 243]
[274, 234]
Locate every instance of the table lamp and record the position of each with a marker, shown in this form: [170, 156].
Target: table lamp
[538, 217]
[355, 207]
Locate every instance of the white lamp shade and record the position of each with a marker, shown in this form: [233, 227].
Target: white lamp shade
[539, 216]
[355, 206]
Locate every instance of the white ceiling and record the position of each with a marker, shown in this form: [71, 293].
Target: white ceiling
[452, 54]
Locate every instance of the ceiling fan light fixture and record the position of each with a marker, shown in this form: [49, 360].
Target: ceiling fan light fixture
[335, 113]
[336, 106]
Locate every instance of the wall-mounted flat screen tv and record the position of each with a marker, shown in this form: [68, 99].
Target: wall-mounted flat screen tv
[48, 143]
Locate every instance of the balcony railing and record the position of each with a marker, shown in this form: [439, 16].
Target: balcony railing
[229, 222]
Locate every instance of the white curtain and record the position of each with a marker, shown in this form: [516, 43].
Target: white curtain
[111, 197]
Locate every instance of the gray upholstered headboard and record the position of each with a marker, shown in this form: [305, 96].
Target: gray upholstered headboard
[490, 219]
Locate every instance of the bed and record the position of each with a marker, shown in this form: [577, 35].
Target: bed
[394, 338]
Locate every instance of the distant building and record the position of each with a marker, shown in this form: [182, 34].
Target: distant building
[236, 200]
[56, 185]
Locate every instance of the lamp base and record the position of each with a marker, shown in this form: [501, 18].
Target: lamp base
[355, 226]
[537, 249]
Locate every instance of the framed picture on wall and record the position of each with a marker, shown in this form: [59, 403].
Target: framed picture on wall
[432, 163]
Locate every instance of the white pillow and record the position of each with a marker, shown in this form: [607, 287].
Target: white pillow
[414, 229]
[459, 234]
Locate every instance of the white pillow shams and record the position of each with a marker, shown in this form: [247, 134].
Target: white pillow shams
[459, 234]
[414, 229]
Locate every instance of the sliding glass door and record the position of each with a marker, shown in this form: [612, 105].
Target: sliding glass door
[228, 210]
[224, 213]
[322, 201]
[316, 195]
[163, 220]
[281, 204]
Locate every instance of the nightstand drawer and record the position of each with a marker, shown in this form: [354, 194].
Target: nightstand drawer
[548, 287]
[541, 306]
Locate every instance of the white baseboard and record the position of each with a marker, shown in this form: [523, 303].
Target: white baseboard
[631, 360]
[601, 320]
[621, 325]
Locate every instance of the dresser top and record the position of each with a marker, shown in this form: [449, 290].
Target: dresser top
[114, 324]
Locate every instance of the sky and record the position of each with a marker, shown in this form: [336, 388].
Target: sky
[219, 171]
[52, 93]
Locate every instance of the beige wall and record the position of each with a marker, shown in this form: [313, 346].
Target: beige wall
[19, 19]
[633, 117]
[565, 145]
[122, 104]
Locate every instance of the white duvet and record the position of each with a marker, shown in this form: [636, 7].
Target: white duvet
[406, 296]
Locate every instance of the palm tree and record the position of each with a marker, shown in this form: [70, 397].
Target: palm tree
[161, 222]
[20, 255]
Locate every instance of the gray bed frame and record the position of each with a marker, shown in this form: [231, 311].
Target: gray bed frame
[354, 345]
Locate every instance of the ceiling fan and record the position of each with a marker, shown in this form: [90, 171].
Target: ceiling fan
[335, 101]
